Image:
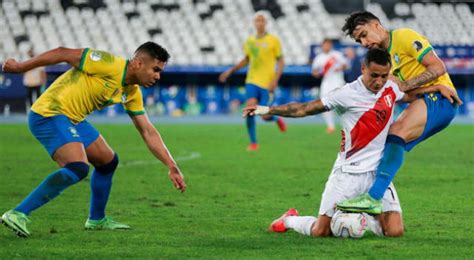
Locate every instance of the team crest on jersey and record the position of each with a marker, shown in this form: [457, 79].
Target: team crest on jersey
[73, 131]
[396, 58]
[388, 100]
[95, 55]
[124, 97]
[417, 45]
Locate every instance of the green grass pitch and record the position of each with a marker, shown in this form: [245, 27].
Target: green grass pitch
[233, 195]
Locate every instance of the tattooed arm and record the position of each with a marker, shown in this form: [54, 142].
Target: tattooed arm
[288, 110]
[434, 68]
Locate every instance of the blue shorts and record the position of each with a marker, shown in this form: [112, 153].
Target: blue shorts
[440, 114]
[262, 95]
[56, 131]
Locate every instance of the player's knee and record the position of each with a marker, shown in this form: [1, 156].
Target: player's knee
[80, 169]
[109, 167]
[320, 231]
[397, 129]
[396, 231]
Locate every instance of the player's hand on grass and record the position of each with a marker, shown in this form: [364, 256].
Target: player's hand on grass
[255, 110]
[11, 66]
[177, 178]
[450, 94]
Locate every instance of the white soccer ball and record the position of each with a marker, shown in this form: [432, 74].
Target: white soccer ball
[348, 224]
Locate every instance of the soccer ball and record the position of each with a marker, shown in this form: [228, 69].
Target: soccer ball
[348, 224]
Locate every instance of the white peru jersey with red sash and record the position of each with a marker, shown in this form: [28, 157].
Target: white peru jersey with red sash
[365, 118]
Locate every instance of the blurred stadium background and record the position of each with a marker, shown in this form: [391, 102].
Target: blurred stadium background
[204, 37]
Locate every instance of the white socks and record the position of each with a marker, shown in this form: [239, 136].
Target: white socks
[301, 225]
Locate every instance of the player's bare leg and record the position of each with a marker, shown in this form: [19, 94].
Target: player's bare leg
[392, 223]
[251, 126]
[70, 152]
[411, 123]
[105, 162]
[322, 227]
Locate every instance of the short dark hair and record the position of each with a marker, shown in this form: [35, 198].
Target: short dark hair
[154, 50]
[356, 19]
[379, 56]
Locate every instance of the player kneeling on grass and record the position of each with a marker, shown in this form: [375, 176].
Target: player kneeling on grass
[365, 107]
[57, 119]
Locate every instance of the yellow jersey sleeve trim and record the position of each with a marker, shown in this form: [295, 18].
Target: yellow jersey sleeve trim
[135, 113]
[124, 73]
[420, 57]
[83, 59]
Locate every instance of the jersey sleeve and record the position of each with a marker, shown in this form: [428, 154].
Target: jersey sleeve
[134, 102]
[100, 63]
[316, 63]
[336, 99]
[415, 44]
[398, 93]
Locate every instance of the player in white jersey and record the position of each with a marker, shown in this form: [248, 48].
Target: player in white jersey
[329, 65]
[366, 108]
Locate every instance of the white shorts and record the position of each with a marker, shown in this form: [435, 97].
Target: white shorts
[343, 185]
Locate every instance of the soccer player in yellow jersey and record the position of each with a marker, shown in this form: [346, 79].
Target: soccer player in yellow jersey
[262, 53]
[415, 64]
[57, 119]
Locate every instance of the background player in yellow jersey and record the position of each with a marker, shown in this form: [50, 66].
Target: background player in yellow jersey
[96, 79]
[262, 53]
[415, 64]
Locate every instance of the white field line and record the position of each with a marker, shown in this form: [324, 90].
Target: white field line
[188, 157]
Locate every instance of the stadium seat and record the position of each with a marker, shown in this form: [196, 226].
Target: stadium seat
[212, 31]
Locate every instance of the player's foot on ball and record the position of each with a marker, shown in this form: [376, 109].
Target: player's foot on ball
[278, 225]
[330, 130]
[105, 223]
[281, 124]
[16, 221]
[361, 203]
[252, 147]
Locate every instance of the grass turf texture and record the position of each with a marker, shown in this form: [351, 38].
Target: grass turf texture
[233, 195]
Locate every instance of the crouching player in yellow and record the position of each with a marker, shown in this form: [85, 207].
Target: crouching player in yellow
[57, 119]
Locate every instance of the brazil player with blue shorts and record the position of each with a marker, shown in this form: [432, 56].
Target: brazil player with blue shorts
[415, 65]
[262, 53]
[58, 121]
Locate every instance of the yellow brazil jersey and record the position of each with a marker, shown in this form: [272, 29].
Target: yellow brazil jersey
[263, 53]
[407, 48]
[98, 82]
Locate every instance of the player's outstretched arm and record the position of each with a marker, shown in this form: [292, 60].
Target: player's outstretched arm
[288, 110]
[156, 145]
[434, 68]
[54, 56]
[226, 74]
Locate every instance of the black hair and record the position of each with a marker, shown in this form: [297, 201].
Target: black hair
[379, 56]
[154, 50]
[356, 19]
